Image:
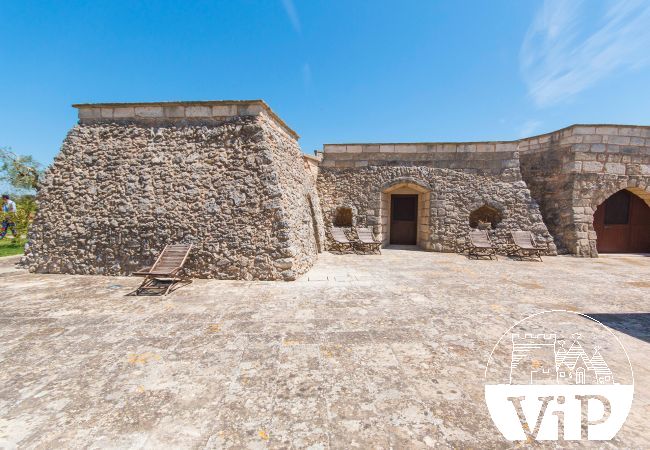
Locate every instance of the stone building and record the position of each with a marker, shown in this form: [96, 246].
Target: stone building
[575, 174]
[229, 177]
[425, 194]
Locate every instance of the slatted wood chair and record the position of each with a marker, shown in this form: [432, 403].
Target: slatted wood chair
[341, 243]
[480, 245]
[524, 246]
[366, 242]
[165, 272]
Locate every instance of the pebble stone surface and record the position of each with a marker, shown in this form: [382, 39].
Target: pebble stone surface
[362, 352]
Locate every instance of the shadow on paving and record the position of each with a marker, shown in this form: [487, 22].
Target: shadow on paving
[633, 324]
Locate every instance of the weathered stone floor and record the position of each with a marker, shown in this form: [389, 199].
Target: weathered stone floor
[363, 352]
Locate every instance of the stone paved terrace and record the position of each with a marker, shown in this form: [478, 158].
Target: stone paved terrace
[362, 352]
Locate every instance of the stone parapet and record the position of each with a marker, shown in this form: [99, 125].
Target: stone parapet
[422, 148]
[596, 138]
[494, 162]
[213, 111]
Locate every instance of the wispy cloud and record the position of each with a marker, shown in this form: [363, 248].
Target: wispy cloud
[567, 50]
[290, 9]
[306, 75]
[529, 128]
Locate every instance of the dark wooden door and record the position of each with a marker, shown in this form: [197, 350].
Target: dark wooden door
[622, 224]
[404, 219]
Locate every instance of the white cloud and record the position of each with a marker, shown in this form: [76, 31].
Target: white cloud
[529, 128]
[290, 9]
[570, 46]
[306, 74]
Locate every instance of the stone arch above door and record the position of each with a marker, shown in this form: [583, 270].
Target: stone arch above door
[409, 182]
[601, 195]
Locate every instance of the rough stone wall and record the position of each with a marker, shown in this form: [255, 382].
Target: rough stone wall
[300, 202]
[572, 171]
[542, 168]
[459, 178]
[120, 189]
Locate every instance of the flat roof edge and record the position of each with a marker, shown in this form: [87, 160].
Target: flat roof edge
[258, 102]
[514, 141]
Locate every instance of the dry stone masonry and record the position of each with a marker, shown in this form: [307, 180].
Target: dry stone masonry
[230, 178]
[573, 170]
[451, 181]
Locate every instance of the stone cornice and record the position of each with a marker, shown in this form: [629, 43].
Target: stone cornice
[178, 111]
[573, 134]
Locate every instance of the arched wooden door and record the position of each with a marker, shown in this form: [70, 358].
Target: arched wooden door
[622, 224]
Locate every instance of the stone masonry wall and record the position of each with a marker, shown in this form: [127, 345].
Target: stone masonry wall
[303, 218]
[572, 171]
[123, 187]
[458, 178]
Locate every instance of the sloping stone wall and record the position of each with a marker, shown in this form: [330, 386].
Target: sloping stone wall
[121, 188]
[300, 202]
[458, 183]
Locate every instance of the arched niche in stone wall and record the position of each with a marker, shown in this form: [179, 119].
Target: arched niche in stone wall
[344, 216]
[485, 217]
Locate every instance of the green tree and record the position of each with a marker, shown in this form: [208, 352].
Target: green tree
[20, 174]
[19, 171]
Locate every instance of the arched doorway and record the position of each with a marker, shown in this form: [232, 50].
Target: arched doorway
[622, 224]
[405, 210]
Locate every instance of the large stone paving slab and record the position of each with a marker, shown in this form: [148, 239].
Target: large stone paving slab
[362, 352]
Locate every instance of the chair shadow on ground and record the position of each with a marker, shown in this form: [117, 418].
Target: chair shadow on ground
[159, 289]
[633, 324]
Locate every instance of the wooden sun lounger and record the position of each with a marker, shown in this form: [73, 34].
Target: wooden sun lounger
[341, 242]
[480, 245]
[167, 268]
[524, 245]
[366, 242]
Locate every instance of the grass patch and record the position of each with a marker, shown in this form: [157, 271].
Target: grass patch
[11, 247]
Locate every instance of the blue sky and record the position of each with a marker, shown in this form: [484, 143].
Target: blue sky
[335, 71]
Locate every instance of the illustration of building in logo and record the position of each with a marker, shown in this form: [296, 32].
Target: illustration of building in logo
[543, 359]
[559, 384]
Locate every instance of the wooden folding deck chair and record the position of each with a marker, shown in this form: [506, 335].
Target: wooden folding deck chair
[341, 243]
[524, 245]
[366, 242]
[165, 272]
[480, 245]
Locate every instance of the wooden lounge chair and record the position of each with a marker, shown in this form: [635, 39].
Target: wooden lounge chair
[524, 245]
[165, 272]
[341, 243]
[366, 242]
[480, 245]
